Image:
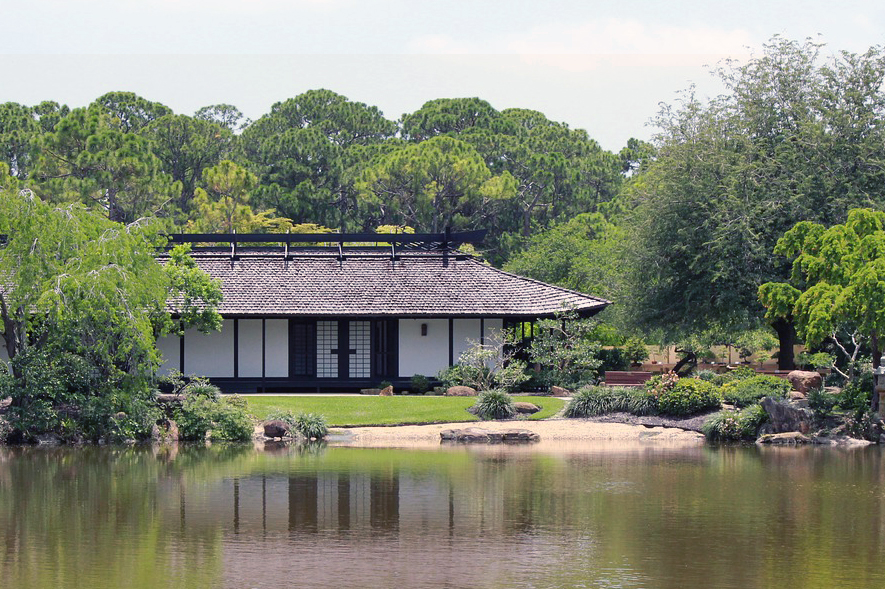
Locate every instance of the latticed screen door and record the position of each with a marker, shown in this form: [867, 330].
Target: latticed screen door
[360, 349]
[327, 349]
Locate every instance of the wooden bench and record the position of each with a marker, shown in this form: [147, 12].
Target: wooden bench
[617, 378]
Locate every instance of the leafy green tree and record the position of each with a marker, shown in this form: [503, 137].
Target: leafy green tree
[223, 207]
[448, 116]
[298, 151]
[837, 280]
[792, 140]
[88, 159]
[18, 130]
[567, 350]
[185, 147]
[438, 183]
[129, 112]
[82, 302]
[226, 115]
[583, 254]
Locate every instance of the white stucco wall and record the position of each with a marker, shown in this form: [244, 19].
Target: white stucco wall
[276, 334]
[249, 357]
[464, 333]
[169, 347]
[419, 354]
[492, 333]
[210, 354]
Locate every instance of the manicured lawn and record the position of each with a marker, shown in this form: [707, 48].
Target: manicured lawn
[372, 410]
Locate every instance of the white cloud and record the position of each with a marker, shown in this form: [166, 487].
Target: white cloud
[584, 46]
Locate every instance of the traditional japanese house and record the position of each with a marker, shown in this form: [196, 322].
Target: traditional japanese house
[348, 312]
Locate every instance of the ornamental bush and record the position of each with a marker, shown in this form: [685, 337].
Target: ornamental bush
[494, 404]
[733, 426]
[689, 396]
[661, 383]
[222, 418]
[311, 425]
[743, 393]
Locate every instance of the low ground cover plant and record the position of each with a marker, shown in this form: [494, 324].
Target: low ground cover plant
[596, 400]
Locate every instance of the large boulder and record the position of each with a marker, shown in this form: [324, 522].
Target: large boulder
[525, 408]
[166, 430]
[804, 380]
[559, 392]
[474, 435]
[460, 391]
[386, 391]
[276, 428]
[785, 439]
[786, 417]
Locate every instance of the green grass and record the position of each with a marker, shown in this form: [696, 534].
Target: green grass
[372, 410]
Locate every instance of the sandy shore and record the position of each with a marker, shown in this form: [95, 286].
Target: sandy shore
[552, 431]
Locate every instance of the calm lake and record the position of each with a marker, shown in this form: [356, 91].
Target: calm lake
[490, 517]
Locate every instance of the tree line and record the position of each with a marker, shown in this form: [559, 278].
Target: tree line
[318, 159]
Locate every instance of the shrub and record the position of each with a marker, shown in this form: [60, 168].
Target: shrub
[661, 383]
[735, 425]
[635, 350]
[743, 393]
[494, 404]
[739, 373]
[707, 375]
[688, 396]
[865, 425]
[821, 402]
[420, 384]
[201, 413]
[858, 393]
[311, 425]
[593, 400]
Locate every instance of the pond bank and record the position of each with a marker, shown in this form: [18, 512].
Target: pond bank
[550, 430]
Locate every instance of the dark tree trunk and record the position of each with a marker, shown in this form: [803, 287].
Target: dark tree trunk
[687, 364]
[786, 335]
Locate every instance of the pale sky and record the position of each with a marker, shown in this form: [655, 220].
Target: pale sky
[600, 66]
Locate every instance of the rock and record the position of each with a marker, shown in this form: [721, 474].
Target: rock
[804, 380]
[370, 391]
[386, 391]
[787, 418]
[795, 396]
[48, 440]
[474, 435]
[169, 398]
[525, 408]
[4, 404]
[460, 391]
[119, 416]
[786, 438]
[560, 392]
[165, 431]
[276, 428]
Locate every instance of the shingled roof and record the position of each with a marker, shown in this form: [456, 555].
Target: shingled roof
[319, 282]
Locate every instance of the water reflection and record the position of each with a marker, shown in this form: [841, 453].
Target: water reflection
[635, 516]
